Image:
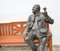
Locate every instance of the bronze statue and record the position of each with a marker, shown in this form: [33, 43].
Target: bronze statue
[36, 28]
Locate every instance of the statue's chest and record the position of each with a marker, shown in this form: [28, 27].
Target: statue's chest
[40, 18]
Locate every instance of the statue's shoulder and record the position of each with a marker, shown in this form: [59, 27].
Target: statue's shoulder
[32, 15]
[42, 15]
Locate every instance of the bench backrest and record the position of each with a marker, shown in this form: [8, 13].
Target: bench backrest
[14, 28]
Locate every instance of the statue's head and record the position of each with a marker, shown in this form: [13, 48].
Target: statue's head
[36, 8]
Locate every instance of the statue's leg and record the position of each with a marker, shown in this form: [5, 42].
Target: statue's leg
[42, 44]
[29, 41]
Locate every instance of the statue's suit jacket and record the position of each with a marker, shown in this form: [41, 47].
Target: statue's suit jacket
[41, 21]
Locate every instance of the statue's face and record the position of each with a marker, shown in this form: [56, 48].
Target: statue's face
[34, 9]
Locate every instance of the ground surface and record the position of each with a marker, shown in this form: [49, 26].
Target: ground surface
[24, 48]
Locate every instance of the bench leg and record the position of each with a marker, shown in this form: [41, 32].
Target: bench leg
[50, 43]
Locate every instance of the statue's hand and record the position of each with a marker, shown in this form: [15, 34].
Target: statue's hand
[25, 33]
[45, 12]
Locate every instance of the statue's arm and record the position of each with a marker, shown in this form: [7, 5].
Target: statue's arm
[27, 29]
[29, 24]
[49, 20]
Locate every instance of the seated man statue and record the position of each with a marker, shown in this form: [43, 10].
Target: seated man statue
[36, 29]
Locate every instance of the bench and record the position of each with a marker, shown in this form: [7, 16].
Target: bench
[11, 33]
